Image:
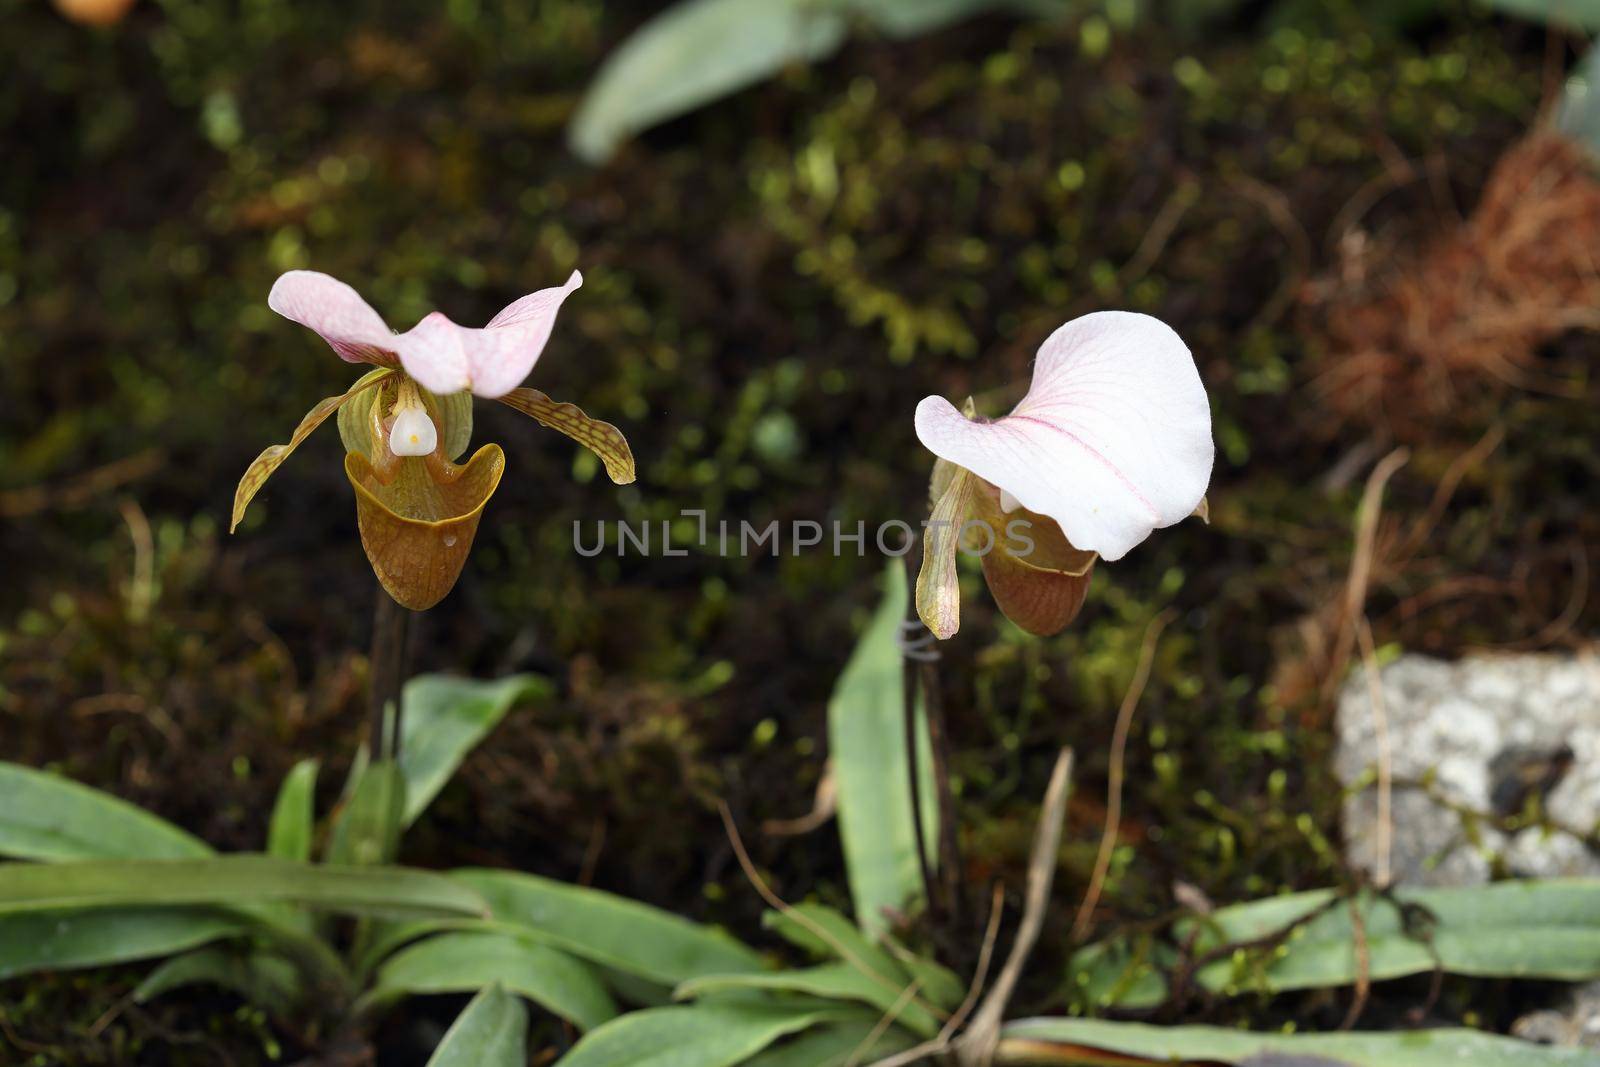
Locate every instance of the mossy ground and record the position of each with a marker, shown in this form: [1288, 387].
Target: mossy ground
[771, 285]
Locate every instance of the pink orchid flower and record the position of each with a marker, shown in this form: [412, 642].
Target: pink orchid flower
[406, 423]
[1111, 442]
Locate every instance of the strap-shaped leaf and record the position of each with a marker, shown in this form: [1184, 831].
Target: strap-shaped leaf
[367, 830]
[272, 457]
[390, 892]
[289, 832]
[601, 438]
[265, 980]
[860, 1041]
[937, 983]
[692, 53]
[867, 737]
[826, 934]
[1522, 928]
[466, 962]
[444, 718]
[610, 930]
[710, 1035]
[59, 941]
[492, 1031]
[44, 816]
[1099, 1041]
[829, 981]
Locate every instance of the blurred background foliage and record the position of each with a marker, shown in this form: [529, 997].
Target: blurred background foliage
[772, 282]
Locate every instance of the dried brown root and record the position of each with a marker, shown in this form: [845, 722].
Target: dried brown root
[1411, 337]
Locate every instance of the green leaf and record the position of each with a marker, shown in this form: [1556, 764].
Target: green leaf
[58, 941]
[492, 1031]
[699, 51]
[1087, 1041]
[693, 53]
[391, 937]
[1546, 929]
[443, 719]
[610, 930]
[366, 832]
[867, 738]
[391, 892]
[464, 962]
[830, 981]
[293, 816]
[908, 18]
[836, 1045]
[709, 1035]
[938, 983]
[635, 991]
[269, 982]
[1567, 14]
[826, 934]
[44, 816]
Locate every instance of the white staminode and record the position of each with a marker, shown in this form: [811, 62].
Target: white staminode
[413, 433]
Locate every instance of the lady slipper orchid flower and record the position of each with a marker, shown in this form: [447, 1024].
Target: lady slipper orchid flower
[405, 424]
[1111, 442]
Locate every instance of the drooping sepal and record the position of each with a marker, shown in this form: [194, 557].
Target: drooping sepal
[417, 527]
[272, 457]
[601, 438]
[938, 584]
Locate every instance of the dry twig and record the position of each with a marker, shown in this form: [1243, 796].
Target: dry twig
[976, 1047]
[804, 921]
[1380, 727]
[1119, 747]
[1361, 564]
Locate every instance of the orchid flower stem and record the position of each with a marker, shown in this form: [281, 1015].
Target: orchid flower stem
[914, 781]
[921, 673]
[949, 839]
[390, 629]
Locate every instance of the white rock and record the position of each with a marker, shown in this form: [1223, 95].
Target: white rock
[1449, 721]
[1575, 1023]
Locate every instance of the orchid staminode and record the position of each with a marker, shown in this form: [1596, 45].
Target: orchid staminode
[406, 423]
[1111, 442]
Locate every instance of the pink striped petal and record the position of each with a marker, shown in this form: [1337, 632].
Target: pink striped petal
[515, 339]
[446, 358]
[1112, 441]
[335, 311]
[433, 353]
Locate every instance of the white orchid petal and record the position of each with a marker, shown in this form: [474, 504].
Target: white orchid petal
[431, 353]
[335, 311]
[447, 358]
[504, 352]
[1112, 441]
